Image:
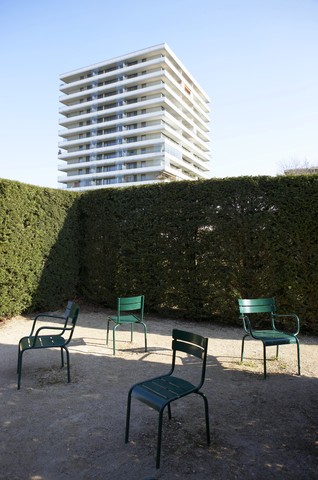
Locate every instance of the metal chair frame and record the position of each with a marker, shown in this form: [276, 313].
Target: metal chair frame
[56, 340]
[130, 311]
[269, 337]
[160, 392]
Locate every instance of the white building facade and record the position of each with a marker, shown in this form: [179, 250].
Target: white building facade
[136, 119]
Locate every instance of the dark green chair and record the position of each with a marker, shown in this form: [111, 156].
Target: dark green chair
[159, 392]
[130, 311]
[60, 339]
[274, 336]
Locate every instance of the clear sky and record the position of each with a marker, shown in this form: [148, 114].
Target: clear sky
[256, 59]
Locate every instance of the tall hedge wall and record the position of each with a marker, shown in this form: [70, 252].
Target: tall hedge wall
[193, 248]
[39, 260]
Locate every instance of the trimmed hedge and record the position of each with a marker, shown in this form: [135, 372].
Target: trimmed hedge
[39, 260]
[192, 248]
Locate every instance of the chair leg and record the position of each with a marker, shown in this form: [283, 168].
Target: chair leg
[159, 439]
[18, 365]
[19, 368]
[128, 417]
[107, 332]
[242, 350]
[207, 421]
[68, 365]
[114, 338]
[277, 348]
[298, 355]
[264, 347]
[62, 358]
[145, 331]
[131, 332]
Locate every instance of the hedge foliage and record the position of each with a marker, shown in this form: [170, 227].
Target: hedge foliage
[192, 248]
[39, 260]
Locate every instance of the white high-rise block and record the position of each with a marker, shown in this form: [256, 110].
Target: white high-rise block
[136, 119]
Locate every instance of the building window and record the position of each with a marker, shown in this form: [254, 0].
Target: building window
[131, 165]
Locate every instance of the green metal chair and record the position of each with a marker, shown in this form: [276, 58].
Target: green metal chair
[159, 392]
[60, 339]
[130, 311]
[272, 336]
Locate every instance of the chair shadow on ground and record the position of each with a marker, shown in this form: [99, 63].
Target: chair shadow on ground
[83, 422]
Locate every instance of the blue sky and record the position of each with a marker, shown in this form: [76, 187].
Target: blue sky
[256, 59]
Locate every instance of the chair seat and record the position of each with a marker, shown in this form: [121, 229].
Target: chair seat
[125, 319]
[274, 337]
[44, 341]
[161, 390]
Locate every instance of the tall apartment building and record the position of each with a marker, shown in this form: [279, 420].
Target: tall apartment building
[136, 119]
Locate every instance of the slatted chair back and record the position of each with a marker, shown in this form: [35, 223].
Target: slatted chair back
[191, 344]
[257, 305]
[131, 304]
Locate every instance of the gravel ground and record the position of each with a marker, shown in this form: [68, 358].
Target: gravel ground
[52, 430]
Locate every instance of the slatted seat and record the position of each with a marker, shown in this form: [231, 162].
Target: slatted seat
[42, 342]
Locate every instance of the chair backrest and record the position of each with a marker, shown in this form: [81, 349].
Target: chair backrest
[256, 305]
[131, 304]
[192, 344]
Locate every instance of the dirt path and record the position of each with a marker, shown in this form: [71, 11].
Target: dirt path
[51, 430]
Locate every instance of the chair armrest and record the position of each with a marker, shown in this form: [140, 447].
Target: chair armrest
[248, 327]
[60, 329]
[290, 315]
[246, 324]
[45, 315]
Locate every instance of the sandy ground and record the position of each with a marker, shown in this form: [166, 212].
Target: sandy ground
[52, 430]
